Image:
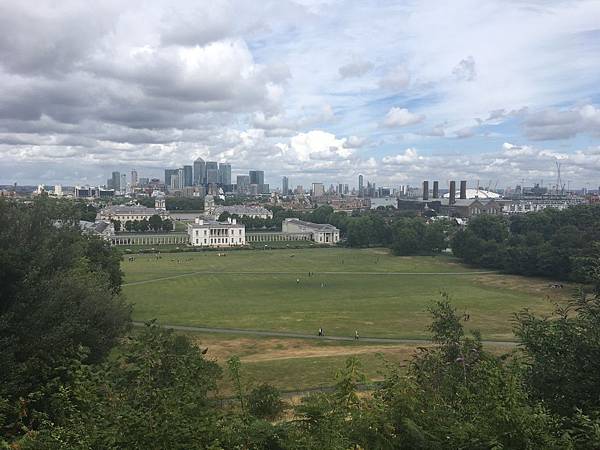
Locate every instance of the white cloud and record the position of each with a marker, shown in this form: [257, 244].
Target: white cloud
[355, 69]
[396, 79]
[401, 117]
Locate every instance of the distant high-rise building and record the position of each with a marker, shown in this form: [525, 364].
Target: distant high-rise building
[134, 178]
[168, 174]
[199, 171]
[340, 188]
[258, 177]
[143, 181]
[361, 185]
[58, 190]
[346, 189]
[224, 174]
[285, 186]
[318, 190]
[116, 181]
[188, 176]
[123, 184]
[212, 172]
[243, 184]
[109, 183]
[177, 179]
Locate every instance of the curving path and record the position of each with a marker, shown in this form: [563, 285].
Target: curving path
[310, 336]
[220, 272]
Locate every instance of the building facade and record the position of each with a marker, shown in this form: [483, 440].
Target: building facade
[209, 233]
[321, 233]
[124, 213]
[199, 172]
[255, 212]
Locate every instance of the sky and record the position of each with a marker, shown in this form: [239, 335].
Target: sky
[495, 92]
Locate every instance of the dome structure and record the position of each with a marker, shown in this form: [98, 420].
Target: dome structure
[476, 193]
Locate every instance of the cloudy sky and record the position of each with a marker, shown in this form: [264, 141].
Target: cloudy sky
[316, 90]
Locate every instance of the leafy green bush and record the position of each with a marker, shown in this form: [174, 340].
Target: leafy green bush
[264, 402]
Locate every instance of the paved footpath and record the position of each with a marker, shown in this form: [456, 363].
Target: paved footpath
[296, 273]
[310, 336]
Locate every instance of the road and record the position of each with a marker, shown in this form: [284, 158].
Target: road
[221, 272]
[311, 336]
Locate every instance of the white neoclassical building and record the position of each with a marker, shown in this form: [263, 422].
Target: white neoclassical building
[322, 233]
[210, 233]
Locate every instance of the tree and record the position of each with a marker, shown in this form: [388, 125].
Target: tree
[167, 225]
[155, 222]
[117, 225]
[562, 354]
[129, 225]
[54, 304]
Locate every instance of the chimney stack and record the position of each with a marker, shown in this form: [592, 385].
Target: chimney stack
[463, 190]
[436, 190]
[452, 199]
[425, 190]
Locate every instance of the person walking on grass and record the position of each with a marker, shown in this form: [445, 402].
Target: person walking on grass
[356, 335]
[320, 331]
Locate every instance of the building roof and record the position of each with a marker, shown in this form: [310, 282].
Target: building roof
[216, 224]
[242, 210]
[476, 193]
[313, 226]
[131, 210]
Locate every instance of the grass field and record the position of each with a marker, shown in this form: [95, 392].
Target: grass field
[370, 290]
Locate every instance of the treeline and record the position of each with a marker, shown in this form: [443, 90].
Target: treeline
[155, 223]
[61, 313]
[563, 245]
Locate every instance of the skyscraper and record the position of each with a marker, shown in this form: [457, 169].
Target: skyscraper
[134, 178]
[225, 174]
[116, 181]
[199, 171]
[188, 176]
[168, 174]
[212, 172]
[285, 186]
[361, 185]
[243, 184]
[258, 177]
[123, 184]
[318, 190]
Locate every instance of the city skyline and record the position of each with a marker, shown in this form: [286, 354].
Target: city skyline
[316, 91]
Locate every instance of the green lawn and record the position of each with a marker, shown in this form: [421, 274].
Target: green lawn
[259, 290]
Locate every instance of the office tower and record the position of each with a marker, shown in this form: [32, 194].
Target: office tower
[109, 183]
[425, 190]
[168, 174]
[224, 174]
[199, 171]
[340, 188]
[243, 184]
[258, 177]
[116, 181]
[266, 189]
[212, 172]
[143, 182]
[254, 189]
[318, 190]
[58, 190]
[360, 185]
[177, 179]
[188, 176]
[285, 185]
[134, 178]
[346, 189]
[436, 189]
[123, 184]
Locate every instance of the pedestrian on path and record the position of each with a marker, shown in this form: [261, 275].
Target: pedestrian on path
[356, 335]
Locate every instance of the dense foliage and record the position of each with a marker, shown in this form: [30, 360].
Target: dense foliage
[551, 243]
[59, 294]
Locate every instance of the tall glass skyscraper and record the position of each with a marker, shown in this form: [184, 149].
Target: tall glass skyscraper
[212, 172]
[285, 186]
[188, 176]
[199, 171]
[258, 177]
[225, 173]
